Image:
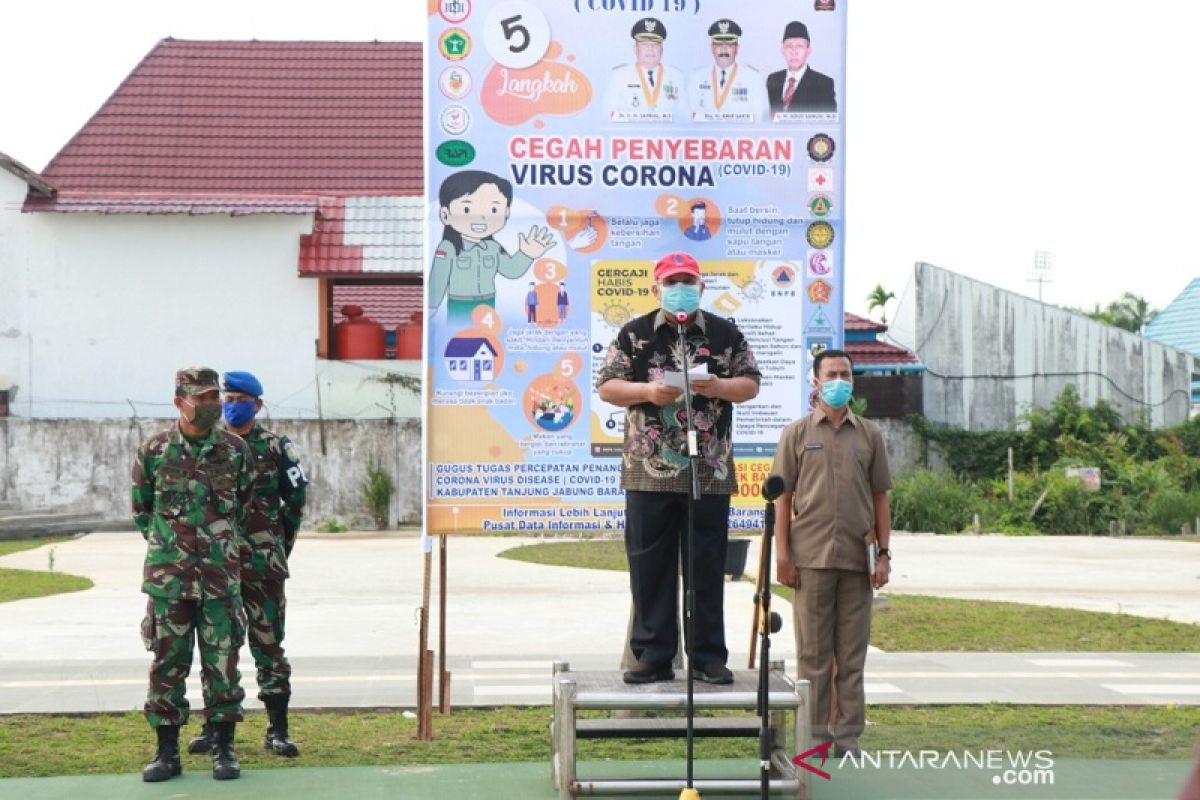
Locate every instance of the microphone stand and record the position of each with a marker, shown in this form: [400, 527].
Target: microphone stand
[689, 589]
[768, 623]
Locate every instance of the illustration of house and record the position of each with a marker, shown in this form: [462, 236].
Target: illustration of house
[471, 358]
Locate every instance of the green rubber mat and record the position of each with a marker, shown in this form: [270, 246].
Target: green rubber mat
[1072, 780]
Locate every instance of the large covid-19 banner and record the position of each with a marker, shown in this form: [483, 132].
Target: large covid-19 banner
[571, 144]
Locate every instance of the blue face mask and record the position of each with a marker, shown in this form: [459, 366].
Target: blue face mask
[681, 297]
[239, 413]
[837, 393]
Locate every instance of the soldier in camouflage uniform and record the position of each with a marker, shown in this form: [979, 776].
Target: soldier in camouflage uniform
[192, 488]
[279, 493]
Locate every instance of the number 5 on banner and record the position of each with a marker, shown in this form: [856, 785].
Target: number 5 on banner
[569, 366]
[516, 34]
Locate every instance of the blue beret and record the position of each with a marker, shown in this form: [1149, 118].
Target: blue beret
[243, 382]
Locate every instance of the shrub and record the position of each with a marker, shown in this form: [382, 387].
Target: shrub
[931, 501]
[1067, 508]
[331, 525]
[999, 514]
[377, 490]
[1171, 509]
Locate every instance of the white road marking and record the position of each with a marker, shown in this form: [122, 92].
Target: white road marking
[1078, 662]
[1154, 688]
[547, 665]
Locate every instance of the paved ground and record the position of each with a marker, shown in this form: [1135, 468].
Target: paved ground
[352, 631]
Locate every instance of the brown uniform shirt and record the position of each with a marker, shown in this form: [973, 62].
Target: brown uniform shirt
[832, 474]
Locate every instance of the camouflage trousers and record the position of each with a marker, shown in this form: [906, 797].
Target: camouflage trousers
[169, 631]
[266, 608]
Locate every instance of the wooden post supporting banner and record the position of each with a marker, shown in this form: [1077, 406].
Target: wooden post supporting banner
[443, 673]
[425, 661]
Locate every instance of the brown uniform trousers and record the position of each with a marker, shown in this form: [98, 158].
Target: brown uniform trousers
[832, 622]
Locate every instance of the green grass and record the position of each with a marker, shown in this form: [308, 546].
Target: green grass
[19, 584]
[38, 745]
[8, 546]
[603, 554]
[920, 623]
[917, 623]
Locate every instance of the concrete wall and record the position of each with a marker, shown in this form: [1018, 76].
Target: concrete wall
[904, 447]
[993, 355]
[83, 465]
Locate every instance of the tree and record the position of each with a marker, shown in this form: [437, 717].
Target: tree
[878, 298]
[1131, 313]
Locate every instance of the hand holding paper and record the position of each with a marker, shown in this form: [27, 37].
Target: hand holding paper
[696, 374]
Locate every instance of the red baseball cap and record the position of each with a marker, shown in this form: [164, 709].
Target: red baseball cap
[676, 264]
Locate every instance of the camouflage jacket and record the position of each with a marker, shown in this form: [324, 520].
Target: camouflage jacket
[280, 487]
[190, 502]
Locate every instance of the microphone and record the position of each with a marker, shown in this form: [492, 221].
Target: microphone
[772, 488]
[681, 317]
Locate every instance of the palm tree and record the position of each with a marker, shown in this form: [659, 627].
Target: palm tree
[878, 298]
[1134, 311]
[1131, 313]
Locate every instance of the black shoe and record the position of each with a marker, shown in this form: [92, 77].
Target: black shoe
[645, 672]
[224, 758]
[713, 673]
[202, 742]
[166, 763]
[277, 740]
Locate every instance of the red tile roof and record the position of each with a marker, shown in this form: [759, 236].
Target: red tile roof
[231, 118]
[857, 323]
[874, 353]
[160, 203]
[388, 305]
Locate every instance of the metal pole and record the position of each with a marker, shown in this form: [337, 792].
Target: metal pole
[689, 588]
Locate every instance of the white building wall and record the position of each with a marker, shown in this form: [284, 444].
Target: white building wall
[993, 355]
[98, 311]
[13, 253]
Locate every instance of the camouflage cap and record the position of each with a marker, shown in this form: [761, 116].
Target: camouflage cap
[194, 380]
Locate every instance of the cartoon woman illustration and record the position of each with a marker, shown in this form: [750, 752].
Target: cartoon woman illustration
[475, 207]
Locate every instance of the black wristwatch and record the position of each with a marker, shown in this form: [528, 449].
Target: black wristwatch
[883, 551]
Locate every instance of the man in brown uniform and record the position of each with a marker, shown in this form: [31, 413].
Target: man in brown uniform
[835, 467]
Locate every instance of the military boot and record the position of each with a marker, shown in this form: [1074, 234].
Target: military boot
[203, 742]
[277, 740]
[166, 761]
[224, 758]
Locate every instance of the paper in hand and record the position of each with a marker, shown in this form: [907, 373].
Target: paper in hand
[675, 379]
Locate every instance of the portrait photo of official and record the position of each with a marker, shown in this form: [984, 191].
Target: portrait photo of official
[798, 88]
[646, 90]
[726, 90]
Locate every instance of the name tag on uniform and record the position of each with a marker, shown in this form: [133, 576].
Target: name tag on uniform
[814, 447]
